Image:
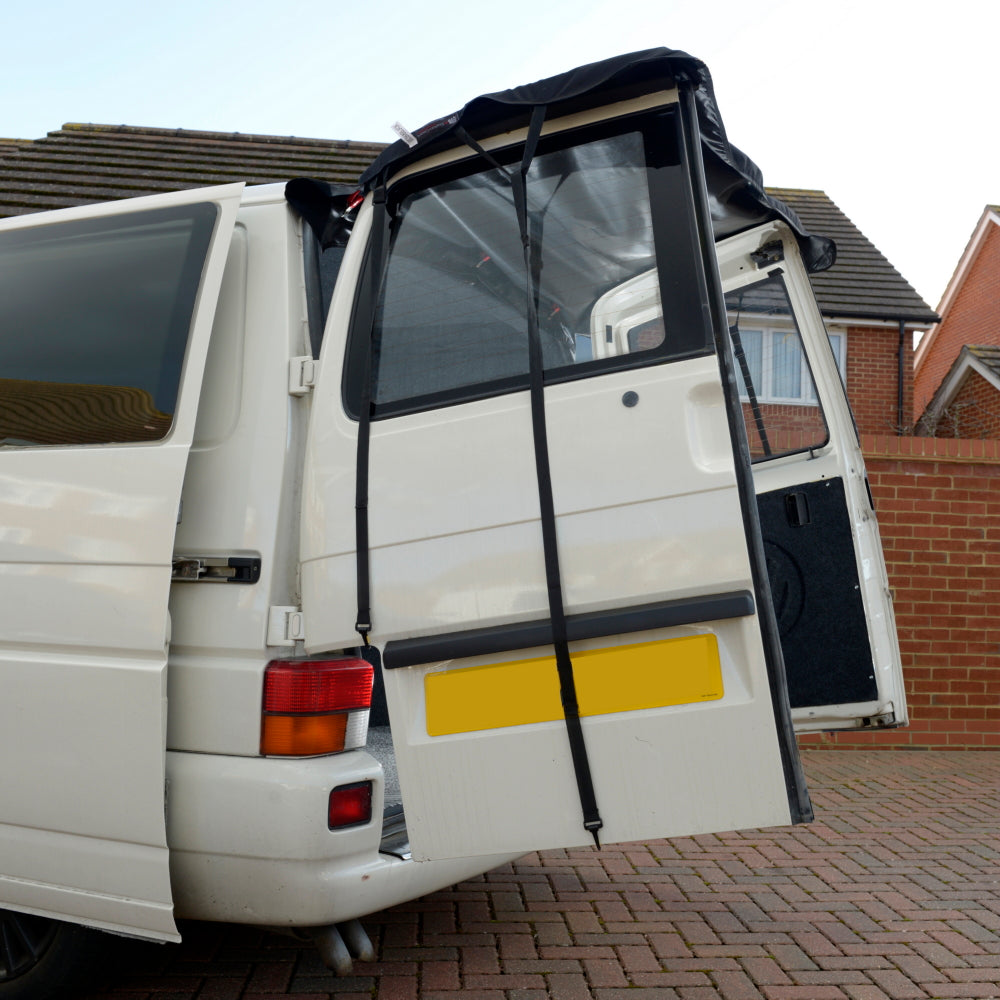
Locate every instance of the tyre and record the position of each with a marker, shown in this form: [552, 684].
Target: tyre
[39, 957]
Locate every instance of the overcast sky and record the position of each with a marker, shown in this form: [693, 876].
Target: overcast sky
[885, 105]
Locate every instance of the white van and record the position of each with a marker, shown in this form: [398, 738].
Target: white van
[563, 472]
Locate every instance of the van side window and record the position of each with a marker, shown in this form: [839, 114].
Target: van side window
[781, 409]
[607, 208]
[321, 268]
[94, 322]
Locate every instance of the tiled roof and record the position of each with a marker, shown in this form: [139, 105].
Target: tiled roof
[989, 355]
[981, 358]
[862, 284]
[87, 163]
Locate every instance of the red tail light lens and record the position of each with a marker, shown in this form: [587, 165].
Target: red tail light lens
[313, 707]
[317, 685]
[350, 805]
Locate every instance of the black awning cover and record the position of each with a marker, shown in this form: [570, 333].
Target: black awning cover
[735, 188]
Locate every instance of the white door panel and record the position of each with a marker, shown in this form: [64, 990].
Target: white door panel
[825, 558]
[455, 543]
[514, 788]
[85, 565]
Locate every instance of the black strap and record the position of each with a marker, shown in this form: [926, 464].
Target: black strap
[567, 684]
[370, 297]
[741, 358]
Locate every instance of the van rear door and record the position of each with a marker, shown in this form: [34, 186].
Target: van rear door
[683, 715]
[824, 558]
[105, 317]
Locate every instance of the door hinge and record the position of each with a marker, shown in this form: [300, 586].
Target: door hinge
[216, 569]
[302, 372]
[285, 625]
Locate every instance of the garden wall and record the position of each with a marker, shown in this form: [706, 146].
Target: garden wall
[938, 505]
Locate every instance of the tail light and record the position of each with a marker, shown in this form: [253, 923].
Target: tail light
[315, 706]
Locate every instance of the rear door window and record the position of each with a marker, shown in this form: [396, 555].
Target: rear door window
[606, 205]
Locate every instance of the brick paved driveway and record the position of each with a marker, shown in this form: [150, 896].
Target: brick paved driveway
[894, 892]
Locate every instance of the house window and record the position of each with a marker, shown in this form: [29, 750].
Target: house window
[778, 368]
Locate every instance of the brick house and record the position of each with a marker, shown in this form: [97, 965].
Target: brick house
[957, 366]
[937, 500]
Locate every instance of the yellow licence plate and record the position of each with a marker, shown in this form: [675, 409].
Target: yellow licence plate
[616, 679]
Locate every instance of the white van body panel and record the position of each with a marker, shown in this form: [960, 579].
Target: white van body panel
[242, 486]
[262, 855]
[85, 566]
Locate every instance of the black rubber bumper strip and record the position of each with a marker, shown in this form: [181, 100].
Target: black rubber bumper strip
[593, 625]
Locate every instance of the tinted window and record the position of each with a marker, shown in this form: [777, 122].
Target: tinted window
[94, 321]
[610, 216]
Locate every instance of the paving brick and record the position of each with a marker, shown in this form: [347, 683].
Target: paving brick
[736, 986]
[465, 995]
[504, 982]
[898, 986]
[791, 956]
[893, 894]
[604, 972]
[480, 960]
[637, 958]
[803, 993]
[568, 986]
[765, 970]
[966, 991]
[439, 976]
[397, 988]
[673, 979]
[650, 993]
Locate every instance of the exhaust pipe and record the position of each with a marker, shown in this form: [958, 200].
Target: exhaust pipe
[339, 944]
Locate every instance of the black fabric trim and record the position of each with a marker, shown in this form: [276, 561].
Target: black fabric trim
[739, 201]
[323, 206]
[799, 805]
[592, 625]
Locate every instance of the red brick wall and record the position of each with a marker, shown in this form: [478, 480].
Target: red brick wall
[938, 504]
[873, 379]
[973, 317]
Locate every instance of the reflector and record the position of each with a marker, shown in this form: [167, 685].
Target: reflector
[350, 805]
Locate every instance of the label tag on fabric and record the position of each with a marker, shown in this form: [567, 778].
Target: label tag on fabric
[405, 134]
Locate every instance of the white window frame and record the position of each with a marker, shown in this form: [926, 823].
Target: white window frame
[771, 330]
